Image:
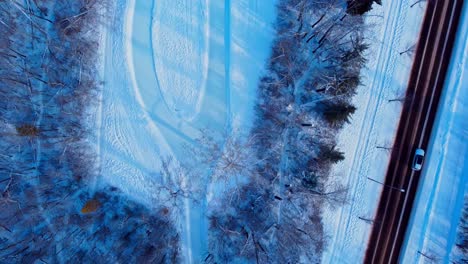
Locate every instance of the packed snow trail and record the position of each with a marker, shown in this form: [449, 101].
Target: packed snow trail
[379, 84]
[171, 69]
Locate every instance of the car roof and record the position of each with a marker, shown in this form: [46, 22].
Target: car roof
[420, 152]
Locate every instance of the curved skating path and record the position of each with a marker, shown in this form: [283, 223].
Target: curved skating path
[169, 68]
[172, 68]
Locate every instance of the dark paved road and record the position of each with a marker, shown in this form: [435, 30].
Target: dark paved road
[424, 89]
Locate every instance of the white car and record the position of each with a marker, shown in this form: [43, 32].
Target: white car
[418, 159]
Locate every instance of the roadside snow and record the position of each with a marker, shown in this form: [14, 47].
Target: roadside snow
[444, 180]
[392, 28]
[171, 69]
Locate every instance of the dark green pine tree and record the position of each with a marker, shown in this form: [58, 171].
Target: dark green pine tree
[336, 113]
[331, 154]
[359, 7]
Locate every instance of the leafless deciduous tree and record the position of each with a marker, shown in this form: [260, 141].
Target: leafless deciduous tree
[410, 50]
[177, 185]
[387, 146]
[367, 220]
[403, 98]
[228, 155]
[429, 256]
[417, 2]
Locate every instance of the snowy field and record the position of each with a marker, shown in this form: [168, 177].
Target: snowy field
[172, 68]
[392, 28]
[175, 67]
[444, 181]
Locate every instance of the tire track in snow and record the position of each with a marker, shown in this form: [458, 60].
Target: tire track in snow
[360, 164]
[370, 150]
[99, 111]
[137, 42]
[227, 62]
[144, 75]
[391, 56]
[113, 136]
[119, 142]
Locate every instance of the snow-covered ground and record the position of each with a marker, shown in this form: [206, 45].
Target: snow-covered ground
[392, 28]
[444, 181]
[173, 67]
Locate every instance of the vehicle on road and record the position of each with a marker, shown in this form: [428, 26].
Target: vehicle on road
[418, 159]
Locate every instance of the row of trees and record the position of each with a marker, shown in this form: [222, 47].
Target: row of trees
[48, 87]
[303, 101]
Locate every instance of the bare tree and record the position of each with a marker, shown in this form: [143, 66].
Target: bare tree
[410, 50]
[177, 184]
[367, 220]
[335, 194]
[418, 1]
[431, 257]
[330, 191]
[403, 98]
[228, 156]
[387, 146]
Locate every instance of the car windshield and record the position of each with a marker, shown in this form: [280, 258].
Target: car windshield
[418, 159]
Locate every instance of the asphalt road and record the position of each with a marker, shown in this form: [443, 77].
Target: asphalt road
[414, 130]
